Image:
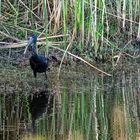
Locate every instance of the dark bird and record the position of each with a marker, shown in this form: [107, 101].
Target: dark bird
[39, 103]
[38, 63]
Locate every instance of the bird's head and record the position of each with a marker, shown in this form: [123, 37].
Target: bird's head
[31, 44]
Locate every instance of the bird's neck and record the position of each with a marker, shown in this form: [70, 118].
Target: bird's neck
[34, 53]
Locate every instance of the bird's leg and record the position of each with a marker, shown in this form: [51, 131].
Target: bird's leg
[45, 75]
[35, 79]
[34, 73]
[45, 83]
[35, 84]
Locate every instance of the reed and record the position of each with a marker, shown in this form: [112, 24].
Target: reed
[92, 106]
[91, 23]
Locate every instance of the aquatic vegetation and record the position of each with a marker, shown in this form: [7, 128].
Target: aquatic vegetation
[76, 102]
[91, 106]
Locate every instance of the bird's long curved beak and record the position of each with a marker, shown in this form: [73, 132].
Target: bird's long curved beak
[25, 49]
[29, 43]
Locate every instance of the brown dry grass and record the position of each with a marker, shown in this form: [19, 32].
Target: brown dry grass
[118, 119]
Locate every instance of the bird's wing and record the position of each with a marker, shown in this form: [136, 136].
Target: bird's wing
[42, 58]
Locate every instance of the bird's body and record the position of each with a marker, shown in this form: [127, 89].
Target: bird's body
[38, 63]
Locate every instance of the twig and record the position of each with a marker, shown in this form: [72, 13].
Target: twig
[105, 73]
[20, 45]
[8, 36]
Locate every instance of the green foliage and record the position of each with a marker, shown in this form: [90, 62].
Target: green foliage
[89, 22]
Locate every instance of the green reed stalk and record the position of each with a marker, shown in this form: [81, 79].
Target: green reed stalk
[102, 118]
[4, 116]
[17, 13]
[107, 34]
[45, 18]
[53, 124]
[95, 112]
[0, 7]
[82, 22]
[65, 15]
[136, 9]
[76, 108]
[71, 123]
[26, 108]
[44, 130]
[82, 111]
[125, 105]
[131, 101]
[131, 16]
[91, 23]
[75, 16]
[90, 119]
[64, 111]
[124, 13]
[0, 111]
[118, 7]
[97, 24]
[31, 15]
[138, 34]
[14, 9]
[94, 28]
[137, 107]
[102, 28]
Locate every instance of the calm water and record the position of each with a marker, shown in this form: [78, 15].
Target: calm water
[81, 105]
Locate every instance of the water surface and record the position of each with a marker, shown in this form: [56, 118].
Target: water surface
[81, 105]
